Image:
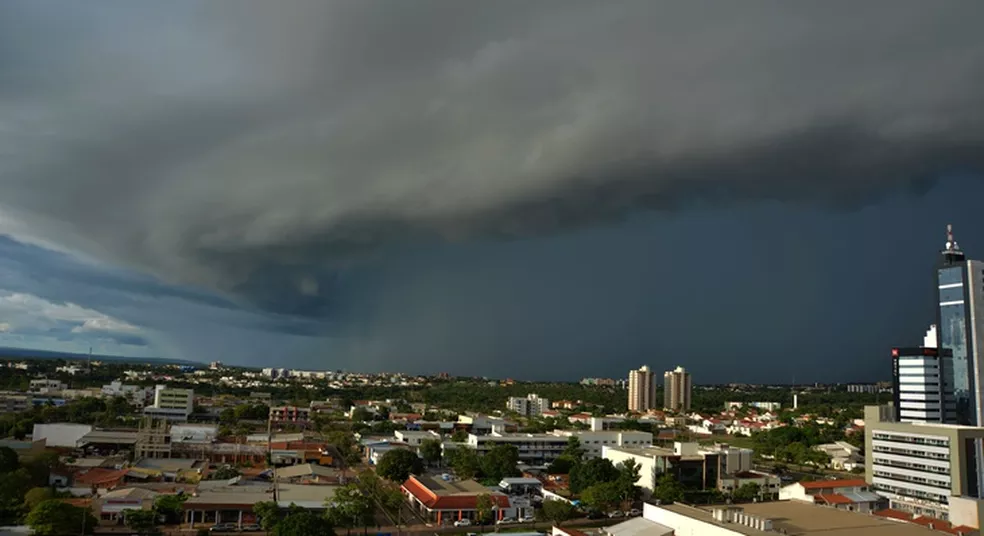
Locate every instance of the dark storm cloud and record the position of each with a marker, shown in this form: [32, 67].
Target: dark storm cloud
[259, 148]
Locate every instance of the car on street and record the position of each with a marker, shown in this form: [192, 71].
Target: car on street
[224, 527]
[251, 527]
[463, 523]
[505, 521]
[616, 513]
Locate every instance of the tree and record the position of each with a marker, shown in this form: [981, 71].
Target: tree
[345, 444]
[500, 462]
[269, 514]
[224, 473]
[13, 487]
[430, 450]
[36, 496]
[459, 436]
[562, 465]
[170, 506]
[361, 415]
[57, 518]
[668, 490]
[573, 448]
[303, 523]
[746, 492]
[398, 464]
[140, 521]
[465, 462]
[628, 475]
[350, 507]
[556, 511]
[591, 472]
[483, 508]
[8, 460]
[603, 496]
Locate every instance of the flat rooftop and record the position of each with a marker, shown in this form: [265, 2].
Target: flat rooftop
[452, 487]
[799, 518]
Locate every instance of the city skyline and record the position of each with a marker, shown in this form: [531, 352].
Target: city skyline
[522, 196]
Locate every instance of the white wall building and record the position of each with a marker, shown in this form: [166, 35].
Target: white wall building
[171, 404]
[414, 437]
[46, 386]
[60, 434]
[194, 433]
[136, 395]
[919, 467]
[530, 406]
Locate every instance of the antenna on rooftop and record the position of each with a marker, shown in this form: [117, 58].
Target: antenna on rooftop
[951, 243]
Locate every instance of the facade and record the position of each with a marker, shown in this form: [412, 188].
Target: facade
[764, 406]
[65, 435]
[594, 441]
[299, 414]
[530, 406]
[13, 402]
[919, 467]
[676, 390]
[171, 404]
[687, 462]
[534, 449]
[642, 390]
[918, 386]
[446, 501]
[960, 328]
[137, 396]
[852, 495]
[45, 386]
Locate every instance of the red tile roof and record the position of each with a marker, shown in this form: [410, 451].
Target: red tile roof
[894, 514]
[832, 498]
[434, 501]
[99, 476]
[833, 484]
[940, 525]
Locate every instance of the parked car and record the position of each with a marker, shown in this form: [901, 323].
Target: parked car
[616, 513]
[224, 527]
[463, 523]
[635, 512]
[252, 527]
[594, 514]
[505, 521]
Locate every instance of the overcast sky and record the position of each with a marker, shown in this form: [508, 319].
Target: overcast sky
[547, 189]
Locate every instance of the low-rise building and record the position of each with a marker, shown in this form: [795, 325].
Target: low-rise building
[445, 501]
[843, 455]
[293, 414]
[768, 484]
[530, 405]
[64, 435]
[171, 404]
[45, 386]
[852, 494]
[687, 462]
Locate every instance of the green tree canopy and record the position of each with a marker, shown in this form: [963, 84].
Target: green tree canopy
[13, 487]
[628, 475]
[465, 462]
[746, 492]
[430, 450]
[591, 472]
[8, 460]
[398, 464]
[350, 507]
[170, 506]
[269, 514]
[573, 448]
[556, 511]
[140, 521]
[303, 523]
[668, 490]
[459, 436]
[36, 496]
[483, 508]
[562, 465]
[602, 497]
[224, 473]
[500, 462]
[58, 518]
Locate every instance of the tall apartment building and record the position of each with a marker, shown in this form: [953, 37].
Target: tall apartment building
[642, 389]
[676, 390]
[926, 469]
[529, 406]
[171, 404]
[920, 393]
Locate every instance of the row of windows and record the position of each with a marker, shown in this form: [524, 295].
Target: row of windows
[910, 478]
[913, 465]
[907, 492]
[915, 440]
[908, 452]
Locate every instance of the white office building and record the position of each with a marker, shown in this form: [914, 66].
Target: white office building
[171, 404]
[537, 449]
[922, 468]
[530, 406]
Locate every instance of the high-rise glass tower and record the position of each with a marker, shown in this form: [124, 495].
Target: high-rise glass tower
[960, 328]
